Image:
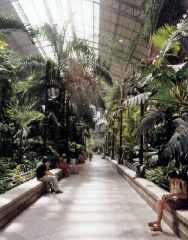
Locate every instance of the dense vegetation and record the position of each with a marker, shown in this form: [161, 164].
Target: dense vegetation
[145, 113]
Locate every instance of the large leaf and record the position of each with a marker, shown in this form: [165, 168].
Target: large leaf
[178, 67]
[177, 147]
[139, 99]
[166, 39]
[147, 123]
[8, 24]
[146, 80]
[183, 26]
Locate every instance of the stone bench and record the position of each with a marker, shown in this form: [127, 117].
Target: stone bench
[150, 192]
[17, 199]
[74, 169]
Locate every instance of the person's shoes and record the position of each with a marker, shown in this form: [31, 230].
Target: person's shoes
[59, 191]
[155, 229]
[52, 190]
[150, 224]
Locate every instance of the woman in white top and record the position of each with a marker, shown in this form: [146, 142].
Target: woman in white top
[176, 199]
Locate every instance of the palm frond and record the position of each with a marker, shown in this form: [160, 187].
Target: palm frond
[30, 65]
[50, 33]
[79, 46]
[179, 67]
[139, 99]
[183, 26]
[146, 80]
[177, 147]
[8, 24]
[105, 74]
[166, 39]
[153, 117]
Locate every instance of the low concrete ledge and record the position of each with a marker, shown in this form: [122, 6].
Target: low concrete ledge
[150, 192]
[17, 199]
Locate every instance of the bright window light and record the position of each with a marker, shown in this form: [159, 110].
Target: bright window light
[85, 23]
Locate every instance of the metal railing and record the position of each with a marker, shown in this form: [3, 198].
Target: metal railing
[132, 166]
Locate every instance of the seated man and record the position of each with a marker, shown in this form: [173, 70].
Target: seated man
[44, 175]
[80, 158]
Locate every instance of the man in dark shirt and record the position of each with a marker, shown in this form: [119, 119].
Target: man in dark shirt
[44, 175]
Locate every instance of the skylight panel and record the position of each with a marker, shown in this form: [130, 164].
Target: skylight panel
[84, 24]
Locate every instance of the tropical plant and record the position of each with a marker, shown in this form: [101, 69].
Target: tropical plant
[155, 13]
[152, 117]
[8, 24]
[167, 40]
[22, 118]
[177, 148]
[8, 62]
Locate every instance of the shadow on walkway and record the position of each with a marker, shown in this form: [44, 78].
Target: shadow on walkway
[97, 204]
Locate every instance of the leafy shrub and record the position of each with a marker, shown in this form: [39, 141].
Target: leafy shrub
[156, 176]
[171, 166]
[152, 162]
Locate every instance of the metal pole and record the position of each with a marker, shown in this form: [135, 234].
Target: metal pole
[112, 156]
[67, 127]
[141, 138]
[108, 144]
[121, 130]
[48, 65]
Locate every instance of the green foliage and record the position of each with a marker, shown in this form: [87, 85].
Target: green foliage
[170, 166]
[164, 96]
[23, 116]
[152, 163]
[166, 40]
[156, 176]
[9, 24]
[3, 169]
[96, 143]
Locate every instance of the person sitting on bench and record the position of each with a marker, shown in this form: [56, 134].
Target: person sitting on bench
[44, 175]
[63, 165]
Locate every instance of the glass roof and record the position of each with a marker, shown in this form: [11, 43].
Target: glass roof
[118, 19]
[84, 24]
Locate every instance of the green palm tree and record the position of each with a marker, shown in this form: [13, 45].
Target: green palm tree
[8, 24]
[76, 67]
[155, 13]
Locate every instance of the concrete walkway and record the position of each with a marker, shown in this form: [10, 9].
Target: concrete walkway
[96, 204]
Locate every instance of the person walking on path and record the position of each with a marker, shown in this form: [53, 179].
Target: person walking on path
[44, 175]
[90, 154]
[176, 199]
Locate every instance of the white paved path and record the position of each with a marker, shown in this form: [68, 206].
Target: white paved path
[96, 204]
